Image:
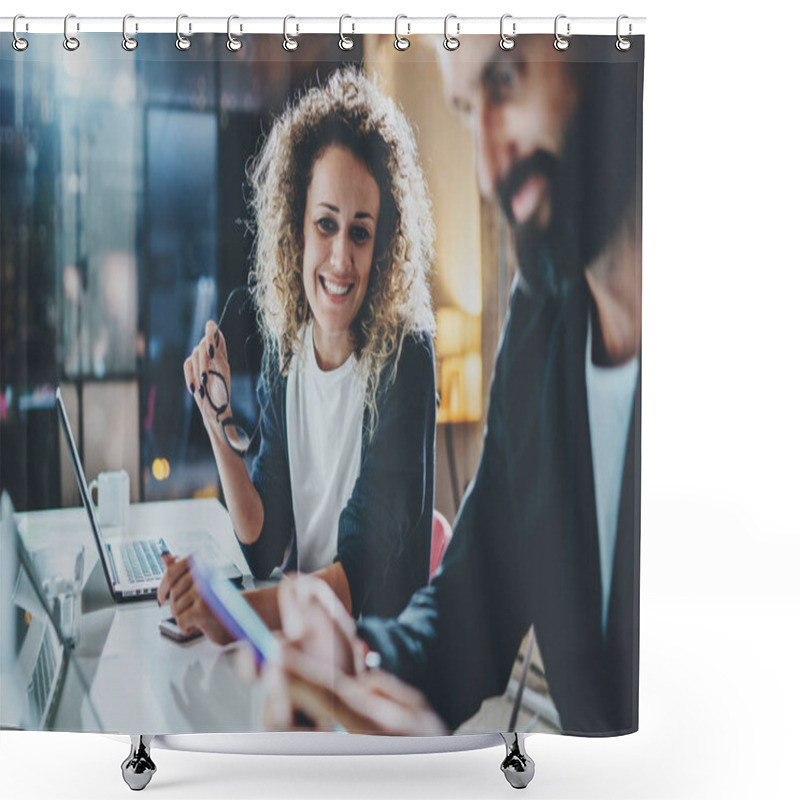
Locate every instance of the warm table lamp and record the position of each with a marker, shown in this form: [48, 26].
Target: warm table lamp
[458, 350]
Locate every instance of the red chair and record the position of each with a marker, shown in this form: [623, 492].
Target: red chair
[441, 535]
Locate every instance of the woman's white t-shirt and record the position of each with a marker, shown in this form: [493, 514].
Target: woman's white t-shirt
[324, 412]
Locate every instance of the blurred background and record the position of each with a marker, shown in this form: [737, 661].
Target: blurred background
[123, 212]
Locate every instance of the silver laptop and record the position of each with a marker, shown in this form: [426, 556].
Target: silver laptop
[133, 567]
[34, 656]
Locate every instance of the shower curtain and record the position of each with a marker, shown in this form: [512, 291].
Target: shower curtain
[359, 312]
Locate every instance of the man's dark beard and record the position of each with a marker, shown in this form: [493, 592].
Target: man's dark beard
[591, 183]
[547, 257]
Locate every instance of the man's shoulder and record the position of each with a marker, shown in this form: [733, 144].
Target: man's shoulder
[533, 317]
[535, 334]
[528, 319]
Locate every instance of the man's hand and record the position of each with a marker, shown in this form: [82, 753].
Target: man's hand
[371, 702]
[315, 621]
[320, 674]
[186, 604]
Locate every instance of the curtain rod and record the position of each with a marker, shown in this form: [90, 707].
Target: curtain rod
[298, 25]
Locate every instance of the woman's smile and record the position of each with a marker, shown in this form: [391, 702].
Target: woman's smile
[336, 288]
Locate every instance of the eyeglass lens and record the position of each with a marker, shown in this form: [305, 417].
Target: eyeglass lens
[236, 434]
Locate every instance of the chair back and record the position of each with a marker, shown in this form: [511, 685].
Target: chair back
[441, 535]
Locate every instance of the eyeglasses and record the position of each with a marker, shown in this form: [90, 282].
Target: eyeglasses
[219, 396]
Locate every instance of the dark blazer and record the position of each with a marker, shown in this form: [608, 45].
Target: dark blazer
[525, 546]
[384, 537]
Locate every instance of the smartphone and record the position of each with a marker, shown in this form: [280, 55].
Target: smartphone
[170, 629]
[232, 610]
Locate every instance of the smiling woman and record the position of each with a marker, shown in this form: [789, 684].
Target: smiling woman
[342, 210]
[342, 484]
[351, 113]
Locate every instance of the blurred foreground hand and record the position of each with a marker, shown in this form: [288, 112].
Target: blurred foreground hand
[319, 680]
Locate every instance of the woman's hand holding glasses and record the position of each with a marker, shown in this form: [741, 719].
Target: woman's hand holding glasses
[208, 377]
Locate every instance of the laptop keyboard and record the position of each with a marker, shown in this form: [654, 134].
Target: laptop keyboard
[142, 560]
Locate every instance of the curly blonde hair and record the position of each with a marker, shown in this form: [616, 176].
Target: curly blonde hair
[351, 111]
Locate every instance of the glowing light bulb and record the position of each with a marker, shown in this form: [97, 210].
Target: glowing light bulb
[161, 469]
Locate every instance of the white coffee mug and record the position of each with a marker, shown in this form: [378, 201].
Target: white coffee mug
[113, 497]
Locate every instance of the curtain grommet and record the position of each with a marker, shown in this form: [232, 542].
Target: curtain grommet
[401, 43]
[345, 42]
[561, 43]
[233, 44]
[451, 43]
[507, 42]
[19, 44]
[623, 44]
[290, 44]
[181, 42]
[129, 43]
[71, 43]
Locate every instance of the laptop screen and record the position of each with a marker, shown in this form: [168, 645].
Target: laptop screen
[76, 462]
[83, 486]
[33, 656]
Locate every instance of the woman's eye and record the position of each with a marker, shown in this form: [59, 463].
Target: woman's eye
[327, 225]
[359, 234]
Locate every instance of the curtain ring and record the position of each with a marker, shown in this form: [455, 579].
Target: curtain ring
[451, 42]
[182, 43]
[400, 42]
[71, 43]
[623, 44]
[289, 42]
[128, 42]
[345, 42]
[561, 43]
[233, 44]
[19, 44]
[507, 42]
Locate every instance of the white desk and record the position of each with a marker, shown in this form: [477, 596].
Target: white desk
[141, 681]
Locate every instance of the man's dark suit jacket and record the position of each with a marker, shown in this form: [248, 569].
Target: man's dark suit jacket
[525, 546]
